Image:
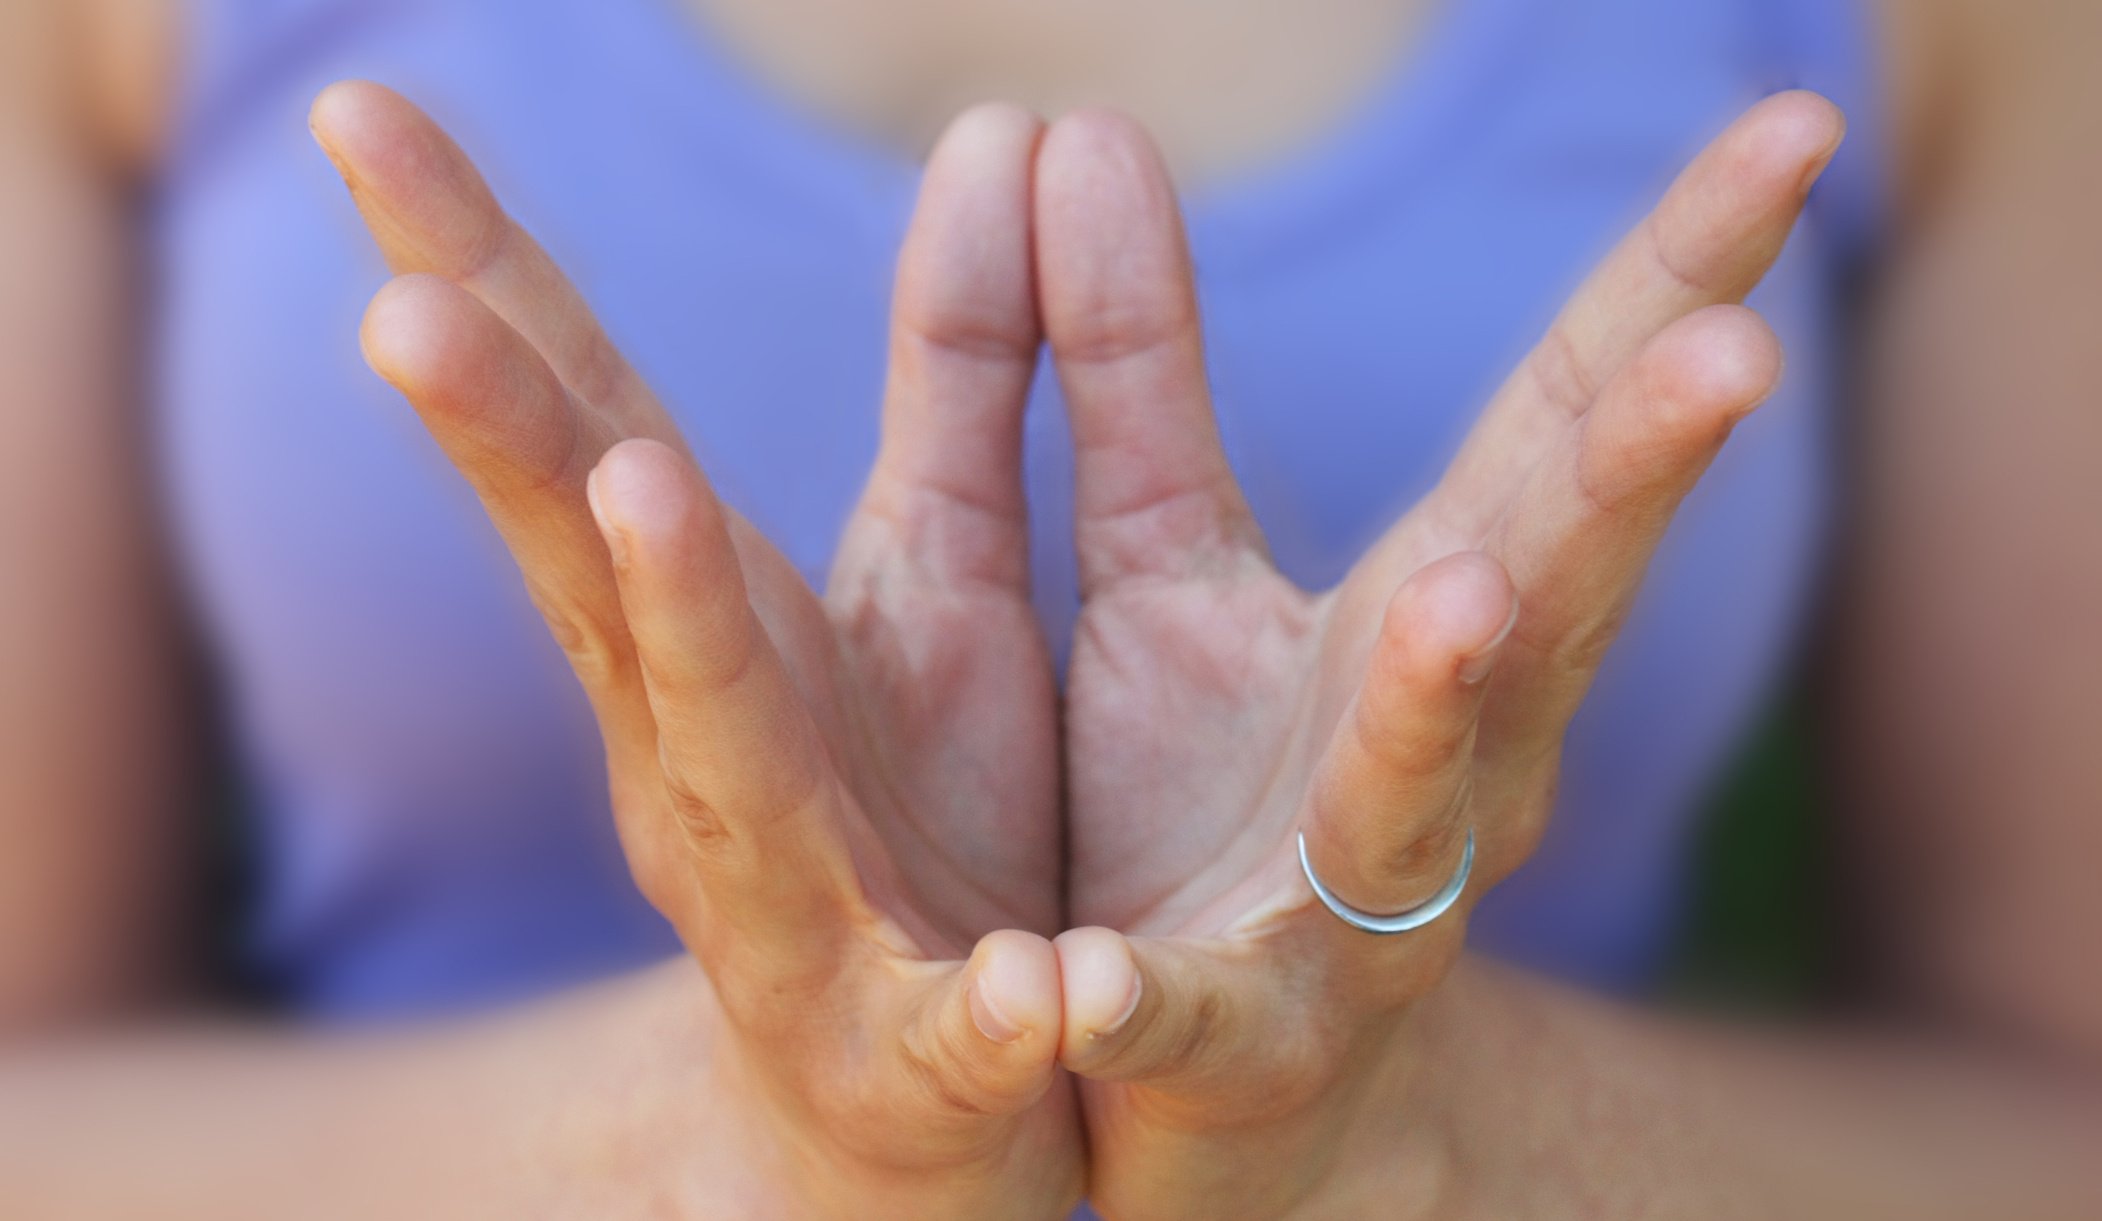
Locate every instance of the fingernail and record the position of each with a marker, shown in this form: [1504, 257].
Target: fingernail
[1138, 989]
[1823, 161]
[1477, 665]
[616, 542]
[991, 1023]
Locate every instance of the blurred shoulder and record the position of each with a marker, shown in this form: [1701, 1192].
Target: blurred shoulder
[95, 75]
[133, 49]
[130, 52]
[2006, 77]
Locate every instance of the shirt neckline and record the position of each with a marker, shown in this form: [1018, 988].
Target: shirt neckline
[1465, 61]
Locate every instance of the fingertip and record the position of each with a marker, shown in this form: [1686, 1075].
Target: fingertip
[354, 121]
[965, 278]
[1014, 988]
[1102, 987]
[988, 127]
[682, 587]
[986, 1039]
[1096, 131]
[1723, 357]
[1794, 135]
[1815, 121]
[1104, 198]
[1092, 159]
[334, 107]
[638, 491]
[1449, 619]
[420, 196]
[415, 328]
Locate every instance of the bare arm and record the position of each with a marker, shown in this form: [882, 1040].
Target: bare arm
[94, 742]
[1536, 1101]
[1968, 684]
[606, 1104]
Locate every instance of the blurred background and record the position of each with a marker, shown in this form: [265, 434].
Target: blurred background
[279, 725]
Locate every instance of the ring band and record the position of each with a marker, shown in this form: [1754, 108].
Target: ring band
[1400, 922]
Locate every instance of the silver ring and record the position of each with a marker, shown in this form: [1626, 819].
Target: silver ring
[1400, 922]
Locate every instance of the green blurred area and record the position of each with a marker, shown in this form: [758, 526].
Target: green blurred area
[1757, 936]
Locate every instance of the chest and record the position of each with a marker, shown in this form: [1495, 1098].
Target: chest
[1220, 83]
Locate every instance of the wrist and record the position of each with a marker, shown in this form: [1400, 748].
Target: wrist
[1440, 1107]
[1404, 1147]
[1527, 1089]
[619, 1105]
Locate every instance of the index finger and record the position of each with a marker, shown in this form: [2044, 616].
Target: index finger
[430, 211]
[1709, 241]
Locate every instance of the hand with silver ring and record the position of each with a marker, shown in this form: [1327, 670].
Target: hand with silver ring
[1257, 774]
[1407, 920]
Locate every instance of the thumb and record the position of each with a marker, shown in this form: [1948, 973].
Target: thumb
[983, 1041]
[1211, 1023]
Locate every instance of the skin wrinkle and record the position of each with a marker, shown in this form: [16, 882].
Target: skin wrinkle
[994, 572]
[1696, 285]
[854, 668]
[1253, 819]
[1219, 537]
[1559, 374]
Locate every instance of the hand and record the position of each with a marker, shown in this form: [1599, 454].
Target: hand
[833, 800]
[1246, 1053]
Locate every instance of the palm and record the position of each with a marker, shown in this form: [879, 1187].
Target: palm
[935, 705]
[1199, 708]
[1187, 718]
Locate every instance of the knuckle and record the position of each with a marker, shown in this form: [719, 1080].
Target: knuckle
[1197, 1032]
[1432, 851]
[731, 666]
[540, 455]
[599, 652]
[1667, 245]
[1419, 753]
[698, 818]
[491, 238]
[1115, 328]
[1600, 478]
[1583, 649]
[939, 1077]
[598, 372]
[1558, 373]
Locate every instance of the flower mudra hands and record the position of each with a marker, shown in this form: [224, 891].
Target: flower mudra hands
[848, 804]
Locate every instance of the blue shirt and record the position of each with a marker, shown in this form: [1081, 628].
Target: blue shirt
[429, 804]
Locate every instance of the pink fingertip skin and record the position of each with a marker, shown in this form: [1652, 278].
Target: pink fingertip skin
[987, 1016]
